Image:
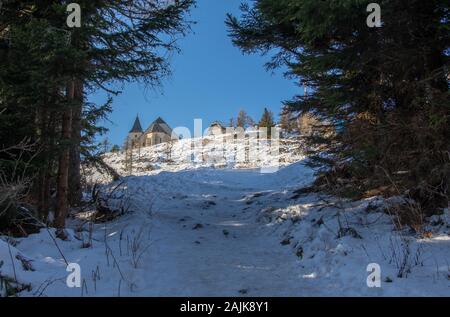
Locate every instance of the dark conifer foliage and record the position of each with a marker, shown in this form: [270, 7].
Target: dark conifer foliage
[47, 70]
[382, 94]
[267, 120]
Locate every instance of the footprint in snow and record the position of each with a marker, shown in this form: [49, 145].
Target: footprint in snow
[197, 226]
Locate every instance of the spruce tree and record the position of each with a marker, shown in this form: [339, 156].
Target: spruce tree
[381, 94]
[243, 120]
[267, 120]
[48, 69]
[287, 121]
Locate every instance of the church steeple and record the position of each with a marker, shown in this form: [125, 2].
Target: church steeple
[137, 128]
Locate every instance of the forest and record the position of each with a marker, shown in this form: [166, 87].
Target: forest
[369, 129]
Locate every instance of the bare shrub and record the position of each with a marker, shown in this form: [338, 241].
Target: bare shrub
[407, 214]
[15, 183]
[113, 203]
[403, 256]
[138, 244]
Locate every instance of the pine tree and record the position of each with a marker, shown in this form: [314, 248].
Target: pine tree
[381, 94]
[118, 41]
[267, 120]
[105, 145]
[123, 51]
[243, 120]
[35, 58]
[115, 149]
[287, 121]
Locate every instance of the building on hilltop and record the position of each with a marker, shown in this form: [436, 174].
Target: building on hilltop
[216, 128]
[158, 132]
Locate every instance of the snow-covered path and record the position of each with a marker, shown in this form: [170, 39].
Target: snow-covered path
[224, 257]
[228, 232]
[209, 243]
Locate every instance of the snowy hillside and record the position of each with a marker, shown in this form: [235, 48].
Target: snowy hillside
[209, 151]
[194, 229]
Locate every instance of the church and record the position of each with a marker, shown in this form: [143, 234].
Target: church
[158, 132]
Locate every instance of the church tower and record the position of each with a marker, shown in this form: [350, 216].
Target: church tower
[135, 134]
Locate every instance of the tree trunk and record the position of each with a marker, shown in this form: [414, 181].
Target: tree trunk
[62, 206]
[75, 160]
[42, 200]
[47, 133]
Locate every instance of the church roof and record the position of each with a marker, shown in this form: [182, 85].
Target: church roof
[159, 125]
[137, 128]
[217, 123]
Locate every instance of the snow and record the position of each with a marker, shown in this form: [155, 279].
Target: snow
[201, 230]
[207, 152]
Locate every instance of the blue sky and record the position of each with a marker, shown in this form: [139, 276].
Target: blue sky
[211, 80]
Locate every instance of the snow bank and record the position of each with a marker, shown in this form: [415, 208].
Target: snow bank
[335, 242]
